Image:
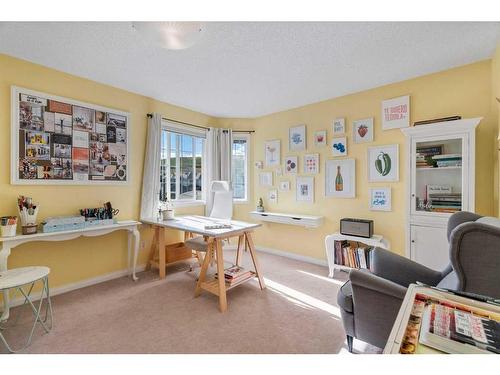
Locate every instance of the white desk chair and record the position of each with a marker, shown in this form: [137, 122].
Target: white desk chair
[18, 278]
[222, 209]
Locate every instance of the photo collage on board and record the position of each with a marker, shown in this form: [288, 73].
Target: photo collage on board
[61, 141]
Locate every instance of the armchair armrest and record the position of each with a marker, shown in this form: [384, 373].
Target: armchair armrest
[401, 270]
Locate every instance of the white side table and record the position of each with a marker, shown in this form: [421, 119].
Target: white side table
[374, 241]
[18, 278]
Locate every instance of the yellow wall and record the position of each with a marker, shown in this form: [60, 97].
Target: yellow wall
[80, 259]
[495, 105]
[462, 91]
[465, 91]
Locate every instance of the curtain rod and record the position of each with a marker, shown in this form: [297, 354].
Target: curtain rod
[198, 126]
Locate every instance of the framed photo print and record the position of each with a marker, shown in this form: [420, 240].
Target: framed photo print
[320, 138]
[362, 130]
[273, 196]
[297, 138]
[311, 163]
[380, 199]
[305, 189]
[291, 165]
[284, 185]
[273, 153]
[266, 178]
[61, 141]
[396, 113]
[339, 146]
[338, 126]
[340, 178]
[383, 163]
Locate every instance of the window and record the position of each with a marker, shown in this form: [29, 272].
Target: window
[181, 164]
[240, 167]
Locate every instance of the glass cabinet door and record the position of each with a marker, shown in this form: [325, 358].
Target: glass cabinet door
[438, 170]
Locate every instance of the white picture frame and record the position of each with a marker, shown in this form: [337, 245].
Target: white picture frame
[272, 196]
[41, 99]
[346, 168]
[266, 178]
[396, 113]
[388, 167]
[284, 185]
[291, 164]
[380, 199]
[338, 126]
[320, 138]
[363, 130]
[339, 146]
[311, 164]
[297, 140]
[304, 189]
[272, 151]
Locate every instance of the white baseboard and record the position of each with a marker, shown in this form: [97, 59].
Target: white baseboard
[285, 254]
[78, 285]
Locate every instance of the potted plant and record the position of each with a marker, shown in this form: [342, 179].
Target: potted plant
[260, 207]
[166, 210]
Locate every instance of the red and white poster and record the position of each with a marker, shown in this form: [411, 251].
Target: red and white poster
[396, 113]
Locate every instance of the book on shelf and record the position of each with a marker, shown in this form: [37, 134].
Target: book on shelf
[453, 330]
[350, 254]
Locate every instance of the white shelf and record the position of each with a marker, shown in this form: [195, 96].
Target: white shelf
[290, 219]
[437, 169]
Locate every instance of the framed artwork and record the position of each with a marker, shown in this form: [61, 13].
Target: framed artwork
[259, 164]
[273, 153]
[311, 163]
[305, 189]
[278, 171]
[273, 196]
[380, 199]
[291, 165]
[338, 126]
[383, 163]
[339, 146]
[297, 138]
[340, 178]
[284, 185]
[266, 178]
[61, 141]
[362, 130]
[396, 113]
[320, 138]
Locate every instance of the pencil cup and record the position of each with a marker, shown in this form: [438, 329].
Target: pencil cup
[28, 221]
[8, 230]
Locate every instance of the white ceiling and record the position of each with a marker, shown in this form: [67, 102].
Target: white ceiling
[251, 69]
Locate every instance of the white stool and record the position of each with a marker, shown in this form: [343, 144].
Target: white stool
[18, 278]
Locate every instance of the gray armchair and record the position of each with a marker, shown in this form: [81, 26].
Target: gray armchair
[369, 302]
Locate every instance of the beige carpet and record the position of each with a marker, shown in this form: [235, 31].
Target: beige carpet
[297, 313]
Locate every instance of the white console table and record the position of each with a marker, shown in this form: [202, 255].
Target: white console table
[130, 226]
[374, 241]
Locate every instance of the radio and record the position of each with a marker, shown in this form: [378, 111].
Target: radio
[356, 227]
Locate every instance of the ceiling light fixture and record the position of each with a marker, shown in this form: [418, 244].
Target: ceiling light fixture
[171, 35]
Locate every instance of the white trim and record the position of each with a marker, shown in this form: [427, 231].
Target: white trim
[247, 138]
[78, 285]
[188, 203]
[285, 254]
[14, 126]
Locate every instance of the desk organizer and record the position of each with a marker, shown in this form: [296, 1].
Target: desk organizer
[28, 219]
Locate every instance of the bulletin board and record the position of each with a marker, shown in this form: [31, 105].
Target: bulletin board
[60, 141]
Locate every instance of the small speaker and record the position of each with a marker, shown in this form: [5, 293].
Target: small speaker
[356, 227]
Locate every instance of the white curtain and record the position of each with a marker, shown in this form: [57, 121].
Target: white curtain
[151, 175]
[219, 152]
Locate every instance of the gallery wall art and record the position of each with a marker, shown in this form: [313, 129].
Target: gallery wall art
[297, 138]
[339, 146]
[396, 113]
[320, 138]
[383, 163]
[273, 153]
[340, 178]
[311, 163]
[338, 126]
[380, 199]
[362, 130]
[305, 189]
[56, 140]
[291, 165]
[266, 178]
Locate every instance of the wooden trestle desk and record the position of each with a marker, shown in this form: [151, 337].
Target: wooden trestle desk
[214, 237]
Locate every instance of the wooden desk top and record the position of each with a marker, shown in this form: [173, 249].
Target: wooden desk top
[196, 224]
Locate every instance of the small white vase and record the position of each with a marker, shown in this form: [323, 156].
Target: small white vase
[167, 214]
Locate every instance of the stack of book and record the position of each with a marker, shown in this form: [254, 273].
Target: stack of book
[351, 255]
[448, 160]
[421, 163]
[235, 275]
[446, 202]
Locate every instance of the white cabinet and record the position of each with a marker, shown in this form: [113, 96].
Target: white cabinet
[440, 181]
